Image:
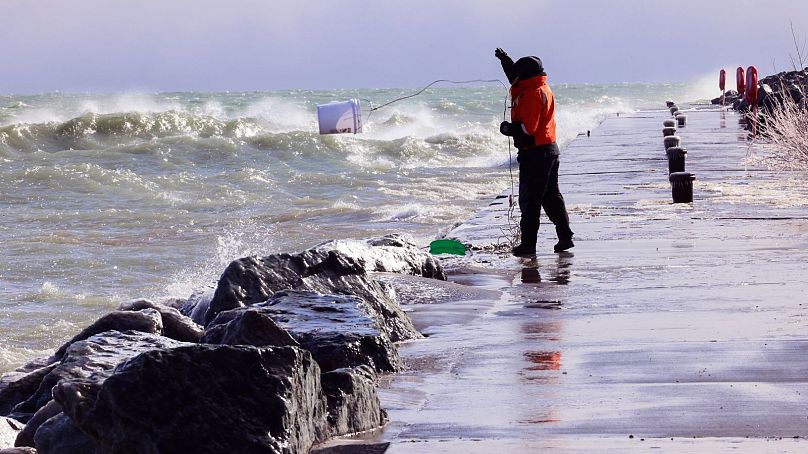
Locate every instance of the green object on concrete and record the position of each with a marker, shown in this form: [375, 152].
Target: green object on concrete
[447, 247]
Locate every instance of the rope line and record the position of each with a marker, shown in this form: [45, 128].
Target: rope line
[456, 82]
[511, 203]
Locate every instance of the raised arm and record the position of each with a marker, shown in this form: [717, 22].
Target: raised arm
[507, 64]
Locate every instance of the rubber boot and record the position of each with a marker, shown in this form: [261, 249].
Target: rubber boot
[524, 249]
[528, 244]
[563, 245]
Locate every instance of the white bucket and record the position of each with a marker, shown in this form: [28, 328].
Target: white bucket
[340, 117]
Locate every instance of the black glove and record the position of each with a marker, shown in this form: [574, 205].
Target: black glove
[512, 129]
[507, 128]
[500, 54]
[520, 137]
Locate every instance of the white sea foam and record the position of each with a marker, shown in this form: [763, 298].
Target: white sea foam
[281, 115]
[132, 102]
[49, 289]
[406, 212]
[34, 115]
[346, 205]
[12, 358]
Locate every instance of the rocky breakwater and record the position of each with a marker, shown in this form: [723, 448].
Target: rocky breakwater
[281, 355]
[772, 92]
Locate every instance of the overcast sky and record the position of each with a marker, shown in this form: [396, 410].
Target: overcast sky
[206, 45]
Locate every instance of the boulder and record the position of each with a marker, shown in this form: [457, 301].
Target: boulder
[20, 384]
[247, 327]
[203, 398]
[729, 98]
[18, 451]
[353, 404]
[175, 325]
[196, 306]
[26, 435]
[253, 280]
[59, 435]
[764, 92]
[145, 321]
[395, 253]
[94, 357]
[796, 93]
[9, 429]
[339, 331]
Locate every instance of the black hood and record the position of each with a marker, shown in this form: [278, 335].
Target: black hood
[527, 67]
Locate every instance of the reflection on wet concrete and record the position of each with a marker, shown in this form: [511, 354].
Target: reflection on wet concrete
[543, 365]
[542, 330]
[530, 276]
[563, 269]
[545, 420]
[544, 304]
[559, 274]
[544, 360]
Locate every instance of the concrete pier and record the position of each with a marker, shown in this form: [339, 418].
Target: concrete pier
[669, 327]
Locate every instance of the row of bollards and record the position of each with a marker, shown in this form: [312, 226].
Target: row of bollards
[681, 181]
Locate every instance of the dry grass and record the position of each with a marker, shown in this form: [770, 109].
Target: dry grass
[513, 233]
[786, 127]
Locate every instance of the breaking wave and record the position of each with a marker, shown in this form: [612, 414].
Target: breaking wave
[93, 130]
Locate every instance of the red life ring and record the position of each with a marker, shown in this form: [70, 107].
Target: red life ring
[739, 79]
[751, 85]
[722, 80]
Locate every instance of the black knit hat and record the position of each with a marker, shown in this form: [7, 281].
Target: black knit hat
[527, 67]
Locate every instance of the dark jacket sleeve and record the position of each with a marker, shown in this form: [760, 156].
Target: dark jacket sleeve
[507, 66]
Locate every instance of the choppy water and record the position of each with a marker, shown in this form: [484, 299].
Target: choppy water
[105, 198]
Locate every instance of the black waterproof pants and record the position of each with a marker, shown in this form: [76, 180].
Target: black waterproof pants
[538, 188]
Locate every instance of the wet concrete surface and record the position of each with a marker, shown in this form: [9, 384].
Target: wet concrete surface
[670, 328]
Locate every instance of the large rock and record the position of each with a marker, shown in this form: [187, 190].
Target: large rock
[175, 325]
[339, 331]
[353, 404]
[730, 97]
[196, 306]
[20, 384]
[18, 451]
[203, 398]
[59, 435]
[145, 321]
[94, 357]
[253, 280]
[395, 253]
[247, 326]
[26, 435]
[9, 429]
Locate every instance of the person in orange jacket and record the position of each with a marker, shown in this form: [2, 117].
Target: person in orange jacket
[533, 128]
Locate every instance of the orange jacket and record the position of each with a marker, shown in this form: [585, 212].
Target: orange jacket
[534, 107]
